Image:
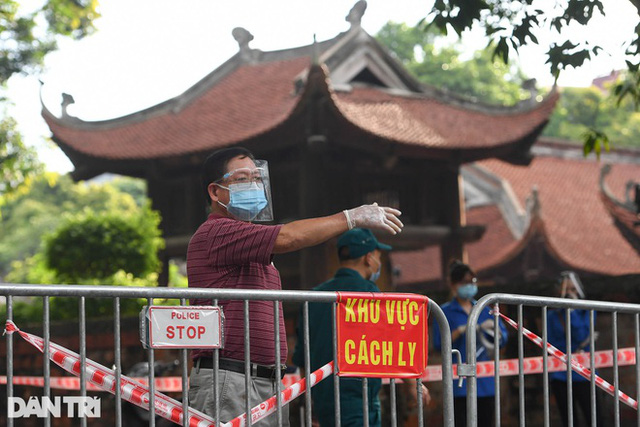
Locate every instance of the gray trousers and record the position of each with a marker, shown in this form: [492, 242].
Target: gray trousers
[231, 391]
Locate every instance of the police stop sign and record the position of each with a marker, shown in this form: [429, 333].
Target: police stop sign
[182, 327]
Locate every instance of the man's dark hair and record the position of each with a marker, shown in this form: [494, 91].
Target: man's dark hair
[215, 166]
[457, 271]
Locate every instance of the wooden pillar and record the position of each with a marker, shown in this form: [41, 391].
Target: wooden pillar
[182, 206]
[453, 216]
[313, 260]
[163, 277]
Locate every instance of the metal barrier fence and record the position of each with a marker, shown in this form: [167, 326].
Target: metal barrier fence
[492, 301]
[118, 294]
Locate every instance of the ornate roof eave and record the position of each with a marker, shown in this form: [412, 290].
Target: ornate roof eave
[624, 213]
[172, 105]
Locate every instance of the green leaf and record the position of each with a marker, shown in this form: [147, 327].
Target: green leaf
[594, 141]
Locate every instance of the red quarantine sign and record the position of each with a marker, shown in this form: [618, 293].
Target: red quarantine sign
[382, 335]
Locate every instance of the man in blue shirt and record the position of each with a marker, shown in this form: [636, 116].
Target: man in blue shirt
[463, 284]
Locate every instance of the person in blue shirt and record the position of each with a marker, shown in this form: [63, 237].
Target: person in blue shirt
[463, 285]
[569, 286]
[359, 253]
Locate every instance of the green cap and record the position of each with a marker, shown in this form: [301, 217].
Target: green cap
[360, 241]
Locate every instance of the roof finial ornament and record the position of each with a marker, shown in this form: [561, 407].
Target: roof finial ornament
[355, 14]
[315, 56]
[529, 85]
[243, 37]
[533, 203]
[66, 101]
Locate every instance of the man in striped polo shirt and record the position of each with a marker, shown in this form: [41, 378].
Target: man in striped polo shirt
[229, 251]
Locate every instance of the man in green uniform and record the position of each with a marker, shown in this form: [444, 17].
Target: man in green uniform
[359, 253]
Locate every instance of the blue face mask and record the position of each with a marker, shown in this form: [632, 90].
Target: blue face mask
[467, 291]
[376, 275]
[246, 200]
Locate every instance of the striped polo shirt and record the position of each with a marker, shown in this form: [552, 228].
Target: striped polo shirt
[231, 254]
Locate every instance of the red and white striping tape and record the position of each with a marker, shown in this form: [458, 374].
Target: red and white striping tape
[508, 367]
[163, 384]
[104, 378]
[575, 365]
[534, 365]
[287, 395]
[137, 393]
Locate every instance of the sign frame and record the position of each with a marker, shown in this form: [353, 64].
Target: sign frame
[386, 330]
[151, 315]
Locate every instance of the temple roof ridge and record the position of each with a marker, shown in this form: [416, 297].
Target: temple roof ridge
[456, 100]
[573, 150]
[472, 103]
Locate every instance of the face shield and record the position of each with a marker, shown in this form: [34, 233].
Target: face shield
[249, 193]
[571, 286]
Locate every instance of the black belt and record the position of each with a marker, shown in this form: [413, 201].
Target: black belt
[256, 370]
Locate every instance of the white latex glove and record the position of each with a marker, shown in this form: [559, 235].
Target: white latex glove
[487, 324]
[375, 217]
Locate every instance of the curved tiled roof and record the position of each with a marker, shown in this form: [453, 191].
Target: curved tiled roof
[578, 222]
[245, 99]
[430, 122]
[578, 226]
[251, 100]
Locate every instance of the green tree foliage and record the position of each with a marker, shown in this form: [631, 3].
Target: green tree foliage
[58, 231]
[98, 245]
[28, 31]
[17, 162]
[478, 78]
[122, 230]
[39, 208]
[28, 34]
[591, 115]
[511, 24]
[63, 308]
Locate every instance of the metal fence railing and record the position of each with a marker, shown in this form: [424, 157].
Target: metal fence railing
[538, 316]
[118, 294]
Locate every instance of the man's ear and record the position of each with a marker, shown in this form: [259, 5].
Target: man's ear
[367, 258]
